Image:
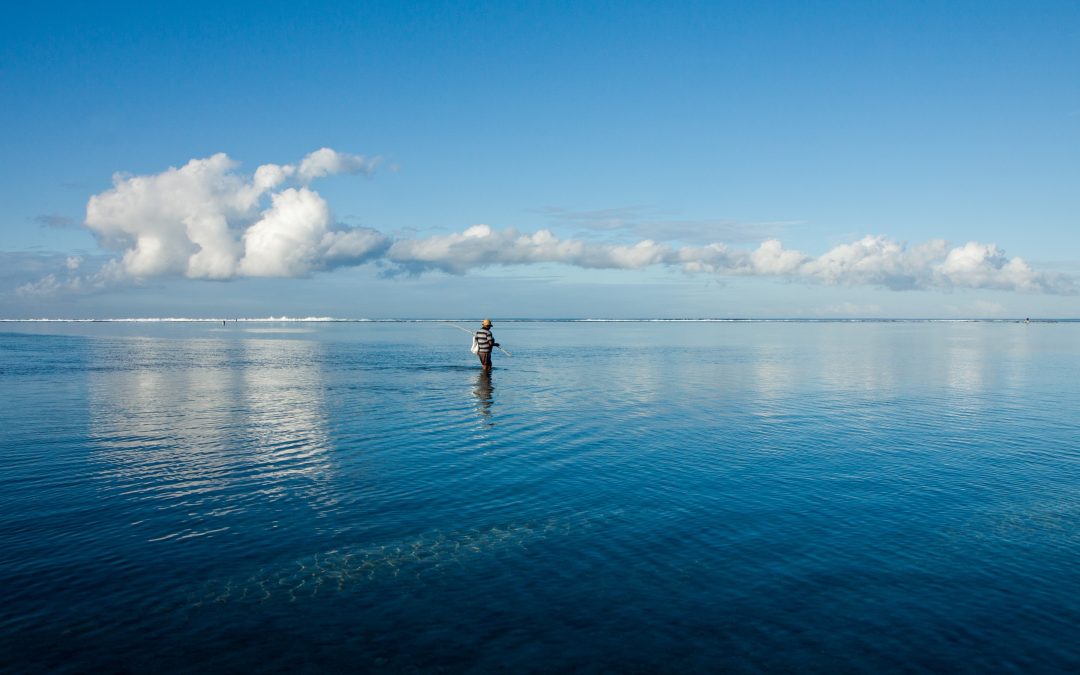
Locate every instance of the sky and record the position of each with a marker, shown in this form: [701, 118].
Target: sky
[543, 160]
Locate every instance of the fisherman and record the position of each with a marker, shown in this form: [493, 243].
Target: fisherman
[484, 342]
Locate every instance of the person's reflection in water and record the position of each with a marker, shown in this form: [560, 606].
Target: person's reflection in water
[484, 393]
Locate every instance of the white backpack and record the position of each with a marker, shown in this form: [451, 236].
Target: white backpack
[475, 348]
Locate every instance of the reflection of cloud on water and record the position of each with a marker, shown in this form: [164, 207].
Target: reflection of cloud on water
[283, 392]
[965, 364]
[858, 358]
[277, 330]
[772, 373]
[976, 358]
[209, 427]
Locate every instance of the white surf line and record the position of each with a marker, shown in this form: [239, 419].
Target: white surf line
[471, 333]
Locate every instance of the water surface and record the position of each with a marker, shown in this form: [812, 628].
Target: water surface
[871, 497]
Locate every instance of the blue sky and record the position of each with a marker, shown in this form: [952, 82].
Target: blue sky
[512, 160]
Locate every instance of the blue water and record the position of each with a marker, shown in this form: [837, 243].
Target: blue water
[644, 497]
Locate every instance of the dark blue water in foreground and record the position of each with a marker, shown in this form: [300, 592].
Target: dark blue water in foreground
[617, 497]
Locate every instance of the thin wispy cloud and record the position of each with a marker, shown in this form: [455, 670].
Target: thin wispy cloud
[648, 223]
[54, 221]
[849, 309]
[979, 308]
[206, 220]
[619, 218]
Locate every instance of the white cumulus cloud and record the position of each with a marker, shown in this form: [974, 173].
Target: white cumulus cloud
[325, 161]
[206, 221]
[978, 265]
[483, 246]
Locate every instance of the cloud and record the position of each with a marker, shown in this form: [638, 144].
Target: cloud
[872, 260]
[619, 218]
[51, 284]
[482, 246]
[294, 237]
[48, 273]
[325, 161]
[876, 261]
[648, 223]
[206, 221]
[977, 265]
[986, 308]
[54, 221]
[849, 309]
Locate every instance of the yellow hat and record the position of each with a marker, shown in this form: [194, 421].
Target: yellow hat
[487, 323]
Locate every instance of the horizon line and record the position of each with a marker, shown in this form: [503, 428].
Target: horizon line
[327, 319]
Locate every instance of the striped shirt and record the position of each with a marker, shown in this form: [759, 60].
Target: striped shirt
[484, 340]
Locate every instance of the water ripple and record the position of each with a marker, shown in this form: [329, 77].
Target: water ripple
[718, 497]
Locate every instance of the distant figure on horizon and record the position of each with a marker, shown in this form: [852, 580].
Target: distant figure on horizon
[484, 342]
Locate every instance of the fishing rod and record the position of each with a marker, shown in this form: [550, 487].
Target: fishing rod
[471, 333]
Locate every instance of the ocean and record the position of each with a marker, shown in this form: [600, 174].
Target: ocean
[738, 496]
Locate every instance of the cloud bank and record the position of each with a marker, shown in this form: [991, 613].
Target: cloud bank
[205, 220]
[873, 260]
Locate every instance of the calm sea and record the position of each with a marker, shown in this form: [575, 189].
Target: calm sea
[649, 497]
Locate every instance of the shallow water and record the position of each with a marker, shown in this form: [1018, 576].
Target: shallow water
[632, 496]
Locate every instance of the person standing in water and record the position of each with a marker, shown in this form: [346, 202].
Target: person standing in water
[485, 341]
